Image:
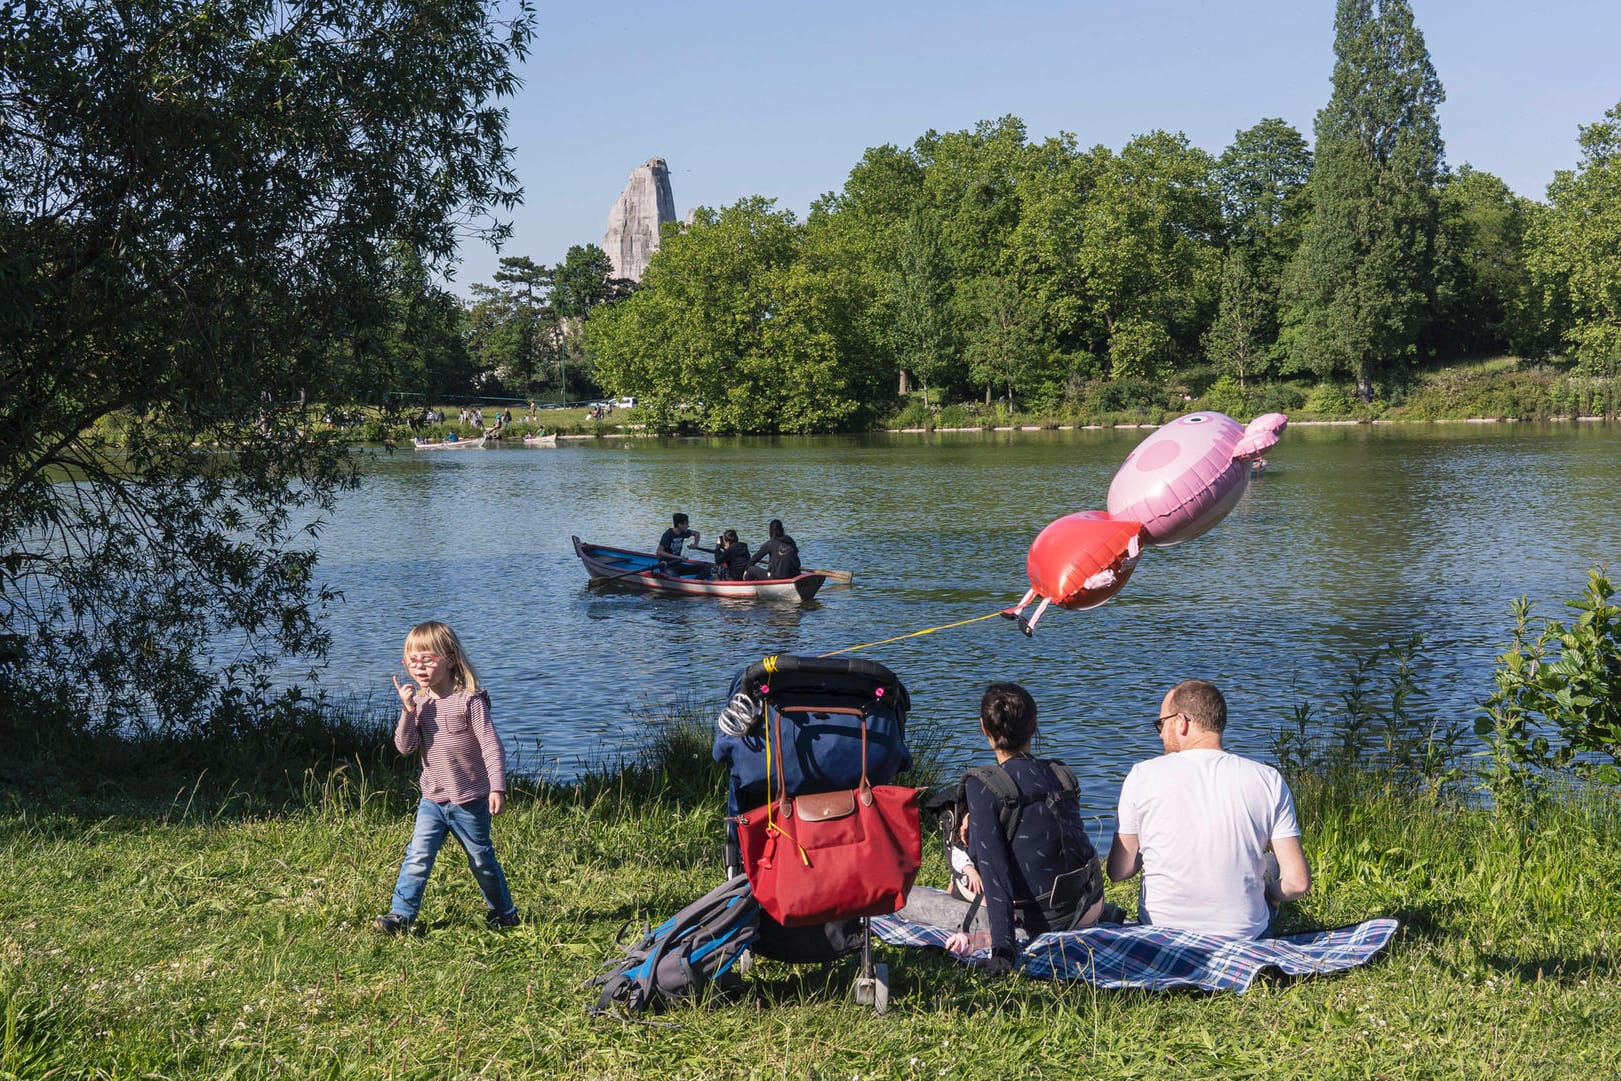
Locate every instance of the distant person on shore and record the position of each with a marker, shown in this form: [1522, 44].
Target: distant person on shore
[673, 542]
[731, 557]
[446, 715]
[1197, 823]
[780, 554]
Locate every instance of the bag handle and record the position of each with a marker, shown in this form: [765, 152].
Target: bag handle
[863, 789]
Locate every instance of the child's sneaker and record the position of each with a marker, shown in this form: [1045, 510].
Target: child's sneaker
[495, 922]
[391, 923]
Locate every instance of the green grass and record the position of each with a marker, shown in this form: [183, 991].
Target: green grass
[206, 934]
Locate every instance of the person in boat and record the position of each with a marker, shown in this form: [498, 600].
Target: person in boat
[731, 557]
[450, 437]
[779, 553]
[675, 539]
[1036, 873]
[1196, 822]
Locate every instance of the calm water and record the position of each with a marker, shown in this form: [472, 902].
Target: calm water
[1353, 538]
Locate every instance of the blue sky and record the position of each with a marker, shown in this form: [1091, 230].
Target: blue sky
[781, 99]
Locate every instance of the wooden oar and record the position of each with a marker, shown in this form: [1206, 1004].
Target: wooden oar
[832, 576]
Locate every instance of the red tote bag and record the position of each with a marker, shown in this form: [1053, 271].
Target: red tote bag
[834, 855]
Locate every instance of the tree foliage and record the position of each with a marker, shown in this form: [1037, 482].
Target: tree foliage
[1481, 287]
[1575, 248]
[1359, 287]
[732, 314]
[203, 206]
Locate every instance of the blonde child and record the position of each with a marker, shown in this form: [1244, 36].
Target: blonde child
[446, 715]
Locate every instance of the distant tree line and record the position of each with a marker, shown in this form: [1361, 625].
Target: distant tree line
[984, 265]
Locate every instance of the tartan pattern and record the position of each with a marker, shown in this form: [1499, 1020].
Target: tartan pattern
[1161, 958]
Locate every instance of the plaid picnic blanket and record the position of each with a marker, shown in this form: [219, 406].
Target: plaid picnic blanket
[1160, 958]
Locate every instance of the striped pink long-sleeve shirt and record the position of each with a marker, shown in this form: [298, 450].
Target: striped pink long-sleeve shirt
[462, 758]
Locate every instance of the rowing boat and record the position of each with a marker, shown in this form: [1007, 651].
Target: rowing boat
[540, 440]
[642, 570]
[451, 444]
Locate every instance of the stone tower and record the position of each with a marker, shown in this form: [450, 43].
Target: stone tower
[633, 223]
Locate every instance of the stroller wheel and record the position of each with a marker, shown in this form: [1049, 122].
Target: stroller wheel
[873, 990]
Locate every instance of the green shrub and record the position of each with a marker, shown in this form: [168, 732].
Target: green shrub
[1330, 400]
[954, 416]
[913, 415]
[1557, 703]
[1226, 396]
[1280, 398]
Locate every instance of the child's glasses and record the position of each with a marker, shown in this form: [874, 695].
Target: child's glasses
[422, 662]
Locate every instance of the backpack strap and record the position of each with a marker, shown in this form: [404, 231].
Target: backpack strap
[1012, 801]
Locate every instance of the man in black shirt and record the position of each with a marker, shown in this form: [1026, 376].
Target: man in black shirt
[780, 553]
[670, 545]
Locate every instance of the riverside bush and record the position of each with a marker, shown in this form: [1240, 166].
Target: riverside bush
[1556, 706]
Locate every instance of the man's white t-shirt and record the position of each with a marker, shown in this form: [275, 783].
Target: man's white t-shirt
[1203, 820]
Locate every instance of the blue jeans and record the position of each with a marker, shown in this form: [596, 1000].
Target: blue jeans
[470, 822]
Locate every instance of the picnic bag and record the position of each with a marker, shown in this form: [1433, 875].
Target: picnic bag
[686, 956]
[827, 856]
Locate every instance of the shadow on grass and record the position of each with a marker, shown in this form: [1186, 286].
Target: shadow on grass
[1561, 969]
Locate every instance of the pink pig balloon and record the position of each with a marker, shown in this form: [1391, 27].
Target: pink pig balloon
[1261, 435]
[1182, 479]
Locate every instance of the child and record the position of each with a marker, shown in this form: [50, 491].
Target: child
[447, 716]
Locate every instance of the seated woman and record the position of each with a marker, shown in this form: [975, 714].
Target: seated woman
[1042, 874]
[731, 557]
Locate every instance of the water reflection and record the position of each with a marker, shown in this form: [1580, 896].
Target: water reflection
[1353, 538]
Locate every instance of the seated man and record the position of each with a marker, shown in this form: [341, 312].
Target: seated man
[671, 544]
[780, 553]
[1197, 823]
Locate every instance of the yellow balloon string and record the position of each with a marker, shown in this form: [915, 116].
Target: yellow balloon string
[914, 634]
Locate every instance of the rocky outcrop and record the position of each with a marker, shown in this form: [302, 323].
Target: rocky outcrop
[633, 223]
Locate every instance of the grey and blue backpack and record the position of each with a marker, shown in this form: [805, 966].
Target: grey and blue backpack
[691, 954]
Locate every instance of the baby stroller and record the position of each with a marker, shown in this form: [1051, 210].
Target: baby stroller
[819, 705]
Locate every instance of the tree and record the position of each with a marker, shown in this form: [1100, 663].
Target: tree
[1245, 319]
[866, 232]
[1480, 302]
[584, 279]
[919, 296]
[425, 342]
[740, 311]
[1575, 248]
[199, 204]
[529, 291]
[1358, 290]
[1262, 177]
[1148, 260]
[1004, 352]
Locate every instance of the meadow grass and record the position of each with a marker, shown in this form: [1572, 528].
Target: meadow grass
[206, 932]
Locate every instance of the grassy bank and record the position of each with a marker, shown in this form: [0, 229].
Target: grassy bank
[206, 931]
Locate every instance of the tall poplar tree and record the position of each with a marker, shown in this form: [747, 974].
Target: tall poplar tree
[1358, 290]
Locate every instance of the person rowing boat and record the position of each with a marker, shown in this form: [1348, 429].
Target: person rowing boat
[671, 544]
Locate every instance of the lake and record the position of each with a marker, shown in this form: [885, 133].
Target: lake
[1354, 537]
